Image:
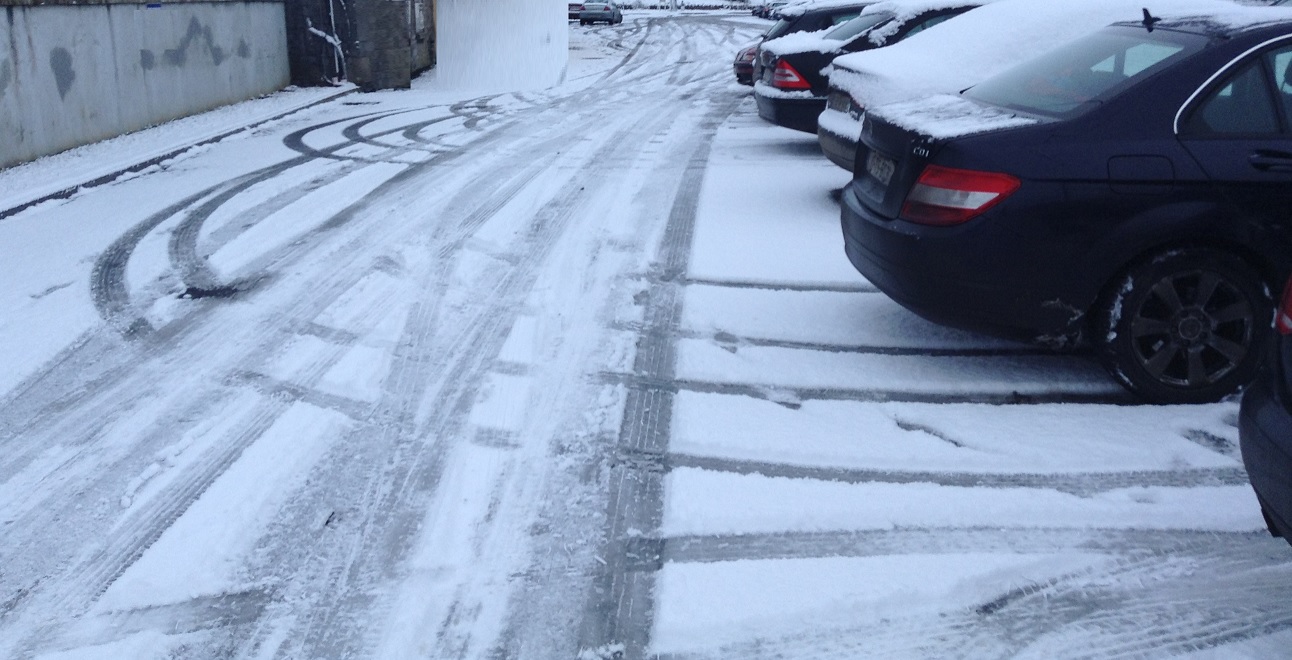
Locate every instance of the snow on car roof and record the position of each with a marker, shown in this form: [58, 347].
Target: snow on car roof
[797, 9]
[962, 52]
[804, 42]
[1231, 18]
[905, 10]
[902, 10]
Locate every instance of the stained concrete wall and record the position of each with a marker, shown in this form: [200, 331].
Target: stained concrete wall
[75, 74]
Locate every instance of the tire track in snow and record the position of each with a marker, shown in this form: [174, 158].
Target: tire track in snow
[445, 369]
[172, 345]
[1083, 484]
[620, 611]
[1170, 596]
[880, 543]
[793, 395]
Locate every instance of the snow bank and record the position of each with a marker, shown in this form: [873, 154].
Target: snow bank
[501, 45]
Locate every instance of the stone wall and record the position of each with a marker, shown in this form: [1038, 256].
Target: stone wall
[71, 74]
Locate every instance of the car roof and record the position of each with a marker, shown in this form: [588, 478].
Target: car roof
[797, 9]
[901, 10]
[954, 54]
[1228, 21]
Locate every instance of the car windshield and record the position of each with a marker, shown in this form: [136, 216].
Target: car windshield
[1074, 78]
[856, 26]
[779, 29]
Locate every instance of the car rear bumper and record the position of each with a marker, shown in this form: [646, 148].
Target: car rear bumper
[841, 151]
[1265, 437]
[744, 73]
[797, 113]
[956, 276]
[595, 17]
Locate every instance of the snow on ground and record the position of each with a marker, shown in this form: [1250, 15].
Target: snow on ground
[825, 442]
[560, 373]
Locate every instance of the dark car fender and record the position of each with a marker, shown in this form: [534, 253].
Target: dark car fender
[1177, 224]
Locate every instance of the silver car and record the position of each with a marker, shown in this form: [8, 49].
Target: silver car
[596, 12]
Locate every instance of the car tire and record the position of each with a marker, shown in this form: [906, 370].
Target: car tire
[1185, 326]
[583, 23]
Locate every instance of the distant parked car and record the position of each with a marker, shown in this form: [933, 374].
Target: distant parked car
[743, 66]
[600, 12]
[789, 84]
[798, 17]
[1265, 427]
[953, 56]
[768, 9]
[575, 9]
[1131, 189]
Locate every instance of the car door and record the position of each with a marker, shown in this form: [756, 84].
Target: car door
[1240, 132]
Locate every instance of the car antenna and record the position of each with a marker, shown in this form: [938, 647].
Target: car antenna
[1150, 20]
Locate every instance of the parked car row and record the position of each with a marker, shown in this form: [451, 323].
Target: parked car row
[803, 17]
[1088, 174]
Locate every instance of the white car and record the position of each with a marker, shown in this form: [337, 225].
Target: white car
[961, 52]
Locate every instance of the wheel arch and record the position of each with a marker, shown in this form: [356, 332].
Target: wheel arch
[1262, 264]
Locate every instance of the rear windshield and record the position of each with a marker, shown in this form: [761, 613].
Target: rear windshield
[857, 25]
[1078, 76]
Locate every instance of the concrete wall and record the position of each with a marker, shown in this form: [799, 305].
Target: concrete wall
[70, 75]
[502, 44]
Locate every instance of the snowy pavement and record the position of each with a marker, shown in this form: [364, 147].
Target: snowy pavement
[563, 373]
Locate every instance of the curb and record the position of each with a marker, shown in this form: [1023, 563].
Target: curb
[143, 165]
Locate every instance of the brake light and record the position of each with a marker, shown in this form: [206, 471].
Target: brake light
[949, 196]
[786, 77]
[1283, 317]
[747, 55]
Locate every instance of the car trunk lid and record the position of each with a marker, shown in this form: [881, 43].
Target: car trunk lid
[889, 160]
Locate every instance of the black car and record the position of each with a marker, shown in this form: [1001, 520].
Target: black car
[790, 85]
[1131, 190]
[793, 19]
[1265, 427]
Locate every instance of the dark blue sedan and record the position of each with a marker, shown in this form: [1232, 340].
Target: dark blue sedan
[1265, 427]
[1131, 191]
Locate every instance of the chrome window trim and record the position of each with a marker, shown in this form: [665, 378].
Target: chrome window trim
[1222, 71]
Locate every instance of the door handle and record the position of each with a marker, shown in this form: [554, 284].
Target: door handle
[1271, 161]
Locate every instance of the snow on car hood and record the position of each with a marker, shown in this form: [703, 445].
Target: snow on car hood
[947, 116]
[982, 42]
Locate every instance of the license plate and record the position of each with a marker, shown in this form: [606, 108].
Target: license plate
[880, 168]
[840, 101]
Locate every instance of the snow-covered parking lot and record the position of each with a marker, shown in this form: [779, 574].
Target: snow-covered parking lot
[579, 372]
[847, 480]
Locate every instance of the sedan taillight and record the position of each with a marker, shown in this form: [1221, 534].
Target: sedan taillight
[787, 77]
[1283, 317]
[948, 196]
